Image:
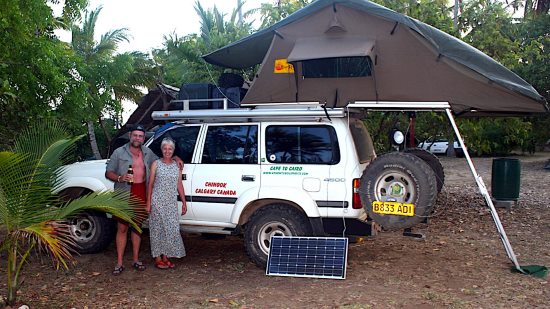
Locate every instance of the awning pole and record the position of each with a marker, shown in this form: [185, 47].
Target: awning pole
[485, 193]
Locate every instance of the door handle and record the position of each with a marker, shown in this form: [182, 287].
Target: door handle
[248, 177]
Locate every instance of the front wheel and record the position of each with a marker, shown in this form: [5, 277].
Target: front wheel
[272, 220]
[91, 231]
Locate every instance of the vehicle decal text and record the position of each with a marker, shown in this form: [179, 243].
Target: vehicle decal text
[218, 188]
[285, 170]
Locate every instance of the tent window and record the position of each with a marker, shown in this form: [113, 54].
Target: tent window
[337, 67]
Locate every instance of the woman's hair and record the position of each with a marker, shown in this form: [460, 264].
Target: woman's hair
[168, 141]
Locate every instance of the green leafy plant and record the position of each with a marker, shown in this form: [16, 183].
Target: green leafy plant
[32, 216]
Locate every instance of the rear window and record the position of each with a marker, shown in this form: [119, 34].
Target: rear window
[302, 144]
[362, 140]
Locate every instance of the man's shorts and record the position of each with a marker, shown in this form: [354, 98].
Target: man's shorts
[138, 191]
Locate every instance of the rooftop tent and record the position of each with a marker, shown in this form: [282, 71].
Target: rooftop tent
[356, 50]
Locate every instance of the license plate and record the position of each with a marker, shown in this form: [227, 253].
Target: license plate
[393, 208]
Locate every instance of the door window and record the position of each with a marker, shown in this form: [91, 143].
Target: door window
[231, 144]
[185, 139]
[302, 144]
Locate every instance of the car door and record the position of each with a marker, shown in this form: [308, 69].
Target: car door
[228, 169]
[185, 138]
[298, 158]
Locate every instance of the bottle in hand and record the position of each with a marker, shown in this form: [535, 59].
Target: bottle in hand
[131, 173]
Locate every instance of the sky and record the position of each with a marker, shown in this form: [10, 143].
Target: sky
[149, 21]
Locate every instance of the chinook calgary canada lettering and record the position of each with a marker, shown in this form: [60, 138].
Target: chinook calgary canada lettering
[210, 185]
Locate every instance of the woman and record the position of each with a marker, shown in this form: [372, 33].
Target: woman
[162, 206]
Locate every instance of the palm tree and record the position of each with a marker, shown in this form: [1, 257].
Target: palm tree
[277, 10]
[95, 57]
[110, 77]
[32, 216]
[131, 73]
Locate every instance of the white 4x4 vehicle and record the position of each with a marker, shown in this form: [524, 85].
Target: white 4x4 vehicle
[277, 170]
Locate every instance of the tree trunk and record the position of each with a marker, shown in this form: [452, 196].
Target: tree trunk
[543, 6]
[105, 132]
[451, 147]
[455, 15]
[12, 286]
[239, 5]
[93, 140]
[527, 8]
[108, 137]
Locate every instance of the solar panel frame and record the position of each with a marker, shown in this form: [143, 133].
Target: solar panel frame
[313, 257]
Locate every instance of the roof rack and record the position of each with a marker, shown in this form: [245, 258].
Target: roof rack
[302, 110]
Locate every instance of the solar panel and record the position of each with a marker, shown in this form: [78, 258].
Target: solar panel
[318, 257]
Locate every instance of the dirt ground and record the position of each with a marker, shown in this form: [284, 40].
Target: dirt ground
[460, 264]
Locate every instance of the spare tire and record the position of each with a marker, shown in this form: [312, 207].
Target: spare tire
[398, 178]
[433, 161]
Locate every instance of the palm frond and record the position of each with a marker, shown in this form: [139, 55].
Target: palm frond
[52, 237]
[4, 211]
[109, 42]
[90, 20]
[28, 175]
[36, 139]
[218, 19]
[14, 176]
[57, 153]
[118, 203]
[206, 21]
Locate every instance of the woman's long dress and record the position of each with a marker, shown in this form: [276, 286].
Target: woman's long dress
[164, 225]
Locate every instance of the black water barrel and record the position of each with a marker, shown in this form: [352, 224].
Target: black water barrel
[505, 179]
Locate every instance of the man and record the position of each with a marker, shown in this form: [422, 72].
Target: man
[140, 157]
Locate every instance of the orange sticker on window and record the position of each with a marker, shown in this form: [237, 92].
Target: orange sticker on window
[281, 66]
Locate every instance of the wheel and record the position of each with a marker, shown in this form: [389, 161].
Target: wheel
[433, 161]
[92, 231]
[402, 178]
[272, 220]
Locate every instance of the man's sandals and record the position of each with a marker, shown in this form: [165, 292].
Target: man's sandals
[118, 270]
[139, 266]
